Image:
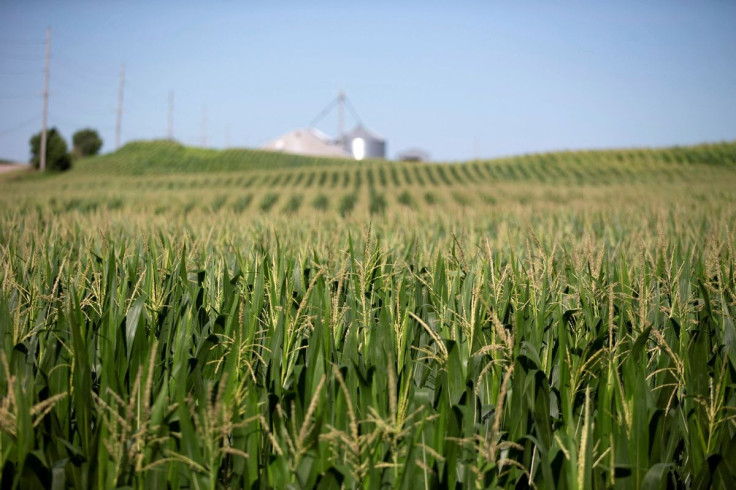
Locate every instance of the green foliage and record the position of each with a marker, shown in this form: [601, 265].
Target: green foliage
[179, 331]
[165, 157]
[86, 142]
[242, 203]
[405, 199]
[347, 203]
[57, 157]
[293, 204]
[461, 198]
[212, 360]
[377, 202]
[218, 202]
[430, 198]
[268, 201]
[321, 202]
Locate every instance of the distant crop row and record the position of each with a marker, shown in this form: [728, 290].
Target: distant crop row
[268, 202]
[91, 198]
[393, 176]
[162, 158]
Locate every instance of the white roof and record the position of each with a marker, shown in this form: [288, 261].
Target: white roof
[309, 142]
[361, 132]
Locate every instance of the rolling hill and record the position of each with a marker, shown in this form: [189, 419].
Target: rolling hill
[164, 157]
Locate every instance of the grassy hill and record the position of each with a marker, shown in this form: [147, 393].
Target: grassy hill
[163, 157]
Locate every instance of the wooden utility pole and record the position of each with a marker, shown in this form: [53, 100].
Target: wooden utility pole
[119, 122]
[171, 115]
[42, 159]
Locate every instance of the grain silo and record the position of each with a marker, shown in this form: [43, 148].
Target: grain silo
[364, 144]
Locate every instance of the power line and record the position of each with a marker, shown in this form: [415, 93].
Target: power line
[18, 97]
[76, 67]
[81, 87]
[70, 74]
[95, 113]
[21, 125]
[60, 121]
[21, 42]
[16, 57]
[142, 93]
[20, 73]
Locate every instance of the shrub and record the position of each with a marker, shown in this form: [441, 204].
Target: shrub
[57, 156]
[86, 142]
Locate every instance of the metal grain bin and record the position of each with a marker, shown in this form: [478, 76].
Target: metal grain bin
[363, 144]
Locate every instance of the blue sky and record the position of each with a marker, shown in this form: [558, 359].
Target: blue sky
[460, 79]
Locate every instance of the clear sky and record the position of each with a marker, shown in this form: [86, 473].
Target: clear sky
[458, 79]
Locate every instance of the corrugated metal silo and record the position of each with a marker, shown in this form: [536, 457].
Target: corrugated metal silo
[363, 144]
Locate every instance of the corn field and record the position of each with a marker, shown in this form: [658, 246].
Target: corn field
[551, 321]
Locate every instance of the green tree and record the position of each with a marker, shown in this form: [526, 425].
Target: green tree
[87, 142]
[57, 156]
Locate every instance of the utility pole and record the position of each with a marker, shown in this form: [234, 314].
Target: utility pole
[42, 161]
[171, 115]
[204, 126]
[119, 123]
[340, 115]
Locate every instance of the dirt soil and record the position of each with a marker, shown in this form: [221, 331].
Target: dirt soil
[12, 168]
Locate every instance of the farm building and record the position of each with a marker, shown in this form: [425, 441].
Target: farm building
[363, 144]
[360, 143]
[413, 155]
[310, 142]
